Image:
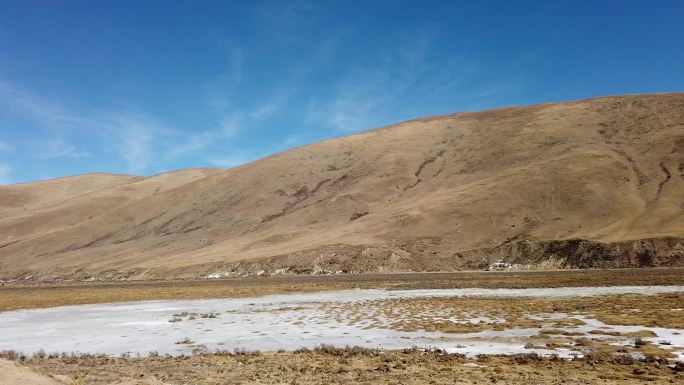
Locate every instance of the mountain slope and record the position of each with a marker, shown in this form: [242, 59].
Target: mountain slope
[600, 180]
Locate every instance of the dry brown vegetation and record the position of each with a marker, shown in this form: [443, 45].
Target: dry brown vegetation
[430, 314]
[596, 182]
[48, 295]
[603, 363]
[329, 365]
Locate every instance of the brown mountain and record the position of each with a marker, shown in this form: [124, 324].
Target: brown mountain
[596, 182]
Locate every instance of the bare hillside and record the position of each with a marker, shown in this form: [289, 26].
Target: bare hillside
[597, 182]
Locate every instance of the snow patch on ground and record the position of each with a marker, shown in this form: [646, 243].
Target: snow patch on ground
[277, 322]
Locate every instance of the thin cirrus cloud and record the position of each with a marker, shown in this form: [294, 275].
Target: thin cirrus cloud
[247, 79]
[397, 84]
[57, 148]
[284, 22]
[5, 173]
[23, 102]
[141, 142]
[363, 96]
[55, 123]
[136, 139]
[5, 147]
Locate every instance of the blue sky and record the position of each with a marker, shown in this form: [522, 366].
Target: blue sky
[143, 87]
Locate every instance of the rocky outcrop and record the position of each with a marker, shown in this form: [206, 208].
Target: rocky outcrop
[523, 254]
[584, 253]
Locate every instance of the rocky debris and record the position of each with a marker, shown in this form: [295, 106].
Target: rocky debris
[429, 256]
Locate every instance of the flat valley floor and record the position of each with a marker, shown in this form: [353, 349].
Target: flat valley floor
[617, 326]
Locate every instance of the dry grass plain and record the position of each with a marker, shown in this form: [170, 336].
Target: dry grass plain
[603, 363]
[17, 296]
[346, 366]
[433, 314]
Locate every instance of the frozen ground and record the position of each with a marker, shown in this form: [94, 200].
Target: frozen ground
[279, 322]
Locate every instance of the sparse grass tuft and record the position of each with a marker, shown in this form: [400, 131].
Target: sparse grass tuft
[597, 356]
[624, 359]
[76, 378]
[11, 355]
[241, 351]
[639, 342]
[301, 350]
[526, 358]
[185, 341]
[347, 351]
[413, 349]
[200, 349]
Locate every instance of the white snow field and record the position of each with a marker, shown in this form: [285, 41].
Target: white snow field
[287, 322]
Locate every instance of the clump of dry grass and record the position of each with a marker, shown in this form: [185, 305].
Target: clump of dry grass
[200, 349]
[347, 351]
[12, 355]
[185, 341]
[241, 351]
[638, 342]
[412, 350]
[624, 359]
[526, 358]
[76, 378]
[597, 356]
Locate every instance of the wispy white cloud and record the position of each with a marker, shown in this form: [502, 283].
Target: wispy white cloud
[237, 157]
[284, 21]
[233, 121]
[136, 144]
[57, 148]
[270, 106]
[357, 102]
[370, 94]
[233, 160]
[26, 103]
[192, 143]
[231, 124]
[5, 172]
[226, 84]
[235, 113]
[127, 134]
[5, 147]
[138, 140]
[408, 80]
